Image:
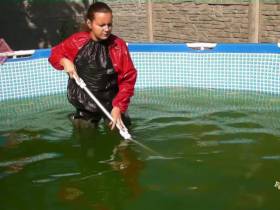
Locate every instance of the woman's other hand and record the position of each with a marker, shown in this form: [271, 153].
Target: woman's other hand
[117, 118]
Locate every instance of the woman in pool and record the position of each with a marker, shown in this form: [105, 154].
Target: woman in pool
[102, 60]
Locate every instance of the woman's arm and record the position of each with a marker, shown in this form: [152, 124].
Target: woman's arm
[126, 80]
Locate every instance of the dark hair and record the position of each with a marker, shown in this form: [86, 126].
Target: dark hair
[94, 8]
[97, 7]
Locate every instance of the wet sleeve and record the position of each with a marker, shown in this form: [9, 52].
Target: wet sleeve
[126, 81]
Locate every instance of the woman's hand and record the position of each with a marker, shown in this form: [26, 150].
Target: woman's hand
[117, 118]
[69, 67]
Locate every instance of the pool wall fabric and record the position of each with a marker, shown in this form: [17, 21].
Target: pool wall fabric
[250, 67]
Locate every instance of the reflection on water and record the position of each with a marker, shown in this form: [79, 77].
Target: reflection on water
[94, 168]
[219, 150]
[109, 171]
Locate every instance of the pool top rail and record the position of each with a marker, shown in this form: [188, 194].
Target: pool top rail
[164, 47]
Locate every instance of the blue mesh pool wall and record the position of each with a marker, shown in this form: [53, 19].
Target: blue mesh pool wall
[250, 67]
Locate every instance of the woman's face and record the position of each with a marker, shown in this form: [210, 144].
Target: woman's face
[101, 26]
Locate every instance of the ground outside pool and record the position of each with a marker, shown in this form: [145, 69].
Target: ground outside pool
[212, 116]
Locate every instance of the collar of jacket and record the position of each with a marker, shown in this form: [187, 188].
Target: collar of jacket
[112, 42]
[111, 39]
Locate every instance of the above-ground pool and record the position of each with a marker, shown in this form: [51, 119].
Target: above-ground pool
[211, 116]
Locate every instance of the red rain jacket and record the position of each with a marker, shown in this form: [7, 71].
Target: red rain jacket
[120, 58]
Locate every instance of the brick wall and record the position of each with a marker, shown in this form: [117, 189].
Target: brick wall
[186, 21]
[270, 23]
[130, 21]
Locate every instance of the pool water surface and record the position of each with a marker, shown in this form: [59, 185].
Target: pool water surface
[218, 150]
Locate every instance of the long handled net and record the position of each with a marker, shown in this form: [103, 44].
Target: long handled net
[122, 129]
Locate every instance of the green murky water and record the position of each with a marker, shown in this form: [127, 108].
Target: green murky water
[220, 150]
